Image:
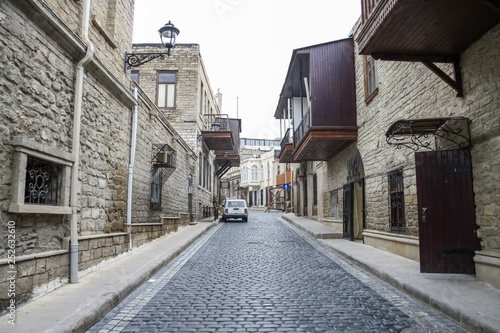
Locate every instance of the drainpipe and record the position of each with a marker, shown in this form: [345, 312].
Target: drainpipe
[73, 266]
[131, 172]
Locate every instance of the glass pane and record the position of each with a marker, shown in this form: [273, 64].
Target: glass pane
[170, 95]
[166, 77]
[161, 95]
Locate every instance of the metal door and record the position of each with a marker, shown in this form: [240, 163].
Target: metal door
[447, 228]
[348, 211]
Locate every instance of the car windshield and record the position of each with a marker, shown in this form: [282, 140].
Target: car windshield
[235, 204]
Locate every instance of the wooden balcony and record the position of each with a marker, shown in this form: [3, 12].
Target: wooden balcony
[284, 178]
[287, 148]
[320, 90]
[421, 30]
[217, 133]
[228, 158]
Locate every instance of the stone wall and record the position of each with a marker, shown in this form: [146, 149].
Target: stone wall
[411, 91]
[37, 79]
[190, 105]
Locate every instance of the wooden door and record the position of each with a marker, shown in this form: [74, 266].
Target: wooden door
[447, 228]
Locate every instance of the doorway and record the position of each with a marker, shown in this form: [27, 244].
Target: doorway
[446, 212]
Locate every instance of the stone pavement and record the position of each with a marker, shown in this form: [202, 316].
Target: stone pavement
[76, 307]
[472, 304]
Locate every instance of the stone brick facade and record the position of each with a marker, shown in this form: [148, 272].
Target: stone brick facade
[193, 100]
[37, 89]
[411, 91]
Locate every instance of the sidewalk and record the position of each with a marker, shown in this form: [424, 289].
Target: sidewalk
[76, 307]
[473, 305]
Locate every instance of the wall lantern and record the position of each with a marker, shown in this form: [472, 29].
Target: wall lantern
[226, 155]
[168, 35]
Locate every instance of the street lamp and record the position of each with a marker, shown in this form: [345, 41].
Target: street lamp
[168, 35]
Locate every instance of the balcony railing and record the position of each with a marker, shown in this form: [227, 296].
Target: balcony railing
[367, 8]
[302, 129]
[216, 122]
[286, 139]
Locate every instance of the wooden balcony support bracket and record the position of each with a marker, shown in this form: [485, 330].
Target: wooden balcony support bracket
[456, 82]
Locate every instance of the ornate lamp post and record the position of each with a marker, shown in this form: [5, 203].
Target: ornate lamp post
[168, 35]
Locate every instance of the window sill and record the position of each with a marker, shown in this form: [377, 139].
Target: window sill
[38, 209]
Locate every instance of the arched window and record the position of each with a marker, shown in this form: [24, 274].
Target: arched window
[255, 173]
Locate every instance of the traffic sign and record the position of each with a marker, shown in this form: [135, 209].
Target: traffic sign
[286, 186]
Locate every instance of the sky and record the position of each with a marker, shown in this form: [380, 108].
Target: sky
[246, 45]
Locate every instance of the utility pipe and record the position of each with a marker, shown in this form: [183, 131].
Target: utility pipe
[77, 114]
[131, 171]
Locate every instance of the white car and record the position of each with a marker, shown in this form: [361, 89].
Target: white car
[235, 209]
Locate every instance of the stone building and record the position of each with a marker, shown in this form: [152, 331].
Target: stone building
[92, 167]
[417, 173]
[180, 87]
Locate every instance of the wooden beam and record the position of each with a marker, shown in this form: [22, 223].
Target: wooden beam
[455, 83]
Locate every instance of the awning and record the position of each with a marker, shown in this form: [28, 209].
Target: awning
[447, 133]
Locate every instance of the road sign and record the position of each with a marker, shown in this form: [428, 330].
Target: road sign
[286, 186]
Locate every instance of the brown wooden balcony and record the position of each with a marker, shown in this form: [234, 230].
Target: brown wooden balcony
[284, 178]
[228, 158]
[320, 91]
[421, 30]
[286, 153]
[217, 133]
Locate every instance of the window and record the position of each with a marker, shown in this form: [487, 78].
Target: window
[43, 182]
[156, 189]
[201, 98]
[255, 173]
[334, 204]
[166, 90]
[134, 76]
[200, 168]
[40, 180]
[371, 84]
[305, 194]
[261, 172]
[396, 198]
[315, 190]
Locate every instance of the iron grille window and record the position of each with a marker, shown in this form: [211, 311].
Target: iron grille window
[43, 182]
[396, 204]
[305, 192]
[315, 190]
[156, 189]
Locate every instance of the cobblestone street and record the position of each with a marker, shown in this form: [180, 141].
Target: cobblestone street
[266, 276]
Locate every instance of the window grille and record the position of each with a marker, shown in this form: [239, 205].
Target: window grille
[315, 189]
[156, 189]
[396, 204]
[43, 182]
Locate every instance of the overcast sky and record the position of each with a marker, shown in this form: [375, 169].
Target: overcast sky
[246, 45]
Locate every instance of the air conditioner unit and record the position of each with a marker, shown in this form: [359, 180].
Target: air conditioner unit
[163, 158]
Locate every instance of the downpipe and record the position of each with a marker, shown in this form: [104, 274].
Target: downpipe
[131, 171]
[77, 115]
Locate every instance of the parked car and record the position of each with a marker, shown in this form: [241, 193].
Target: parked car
[235, 209]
